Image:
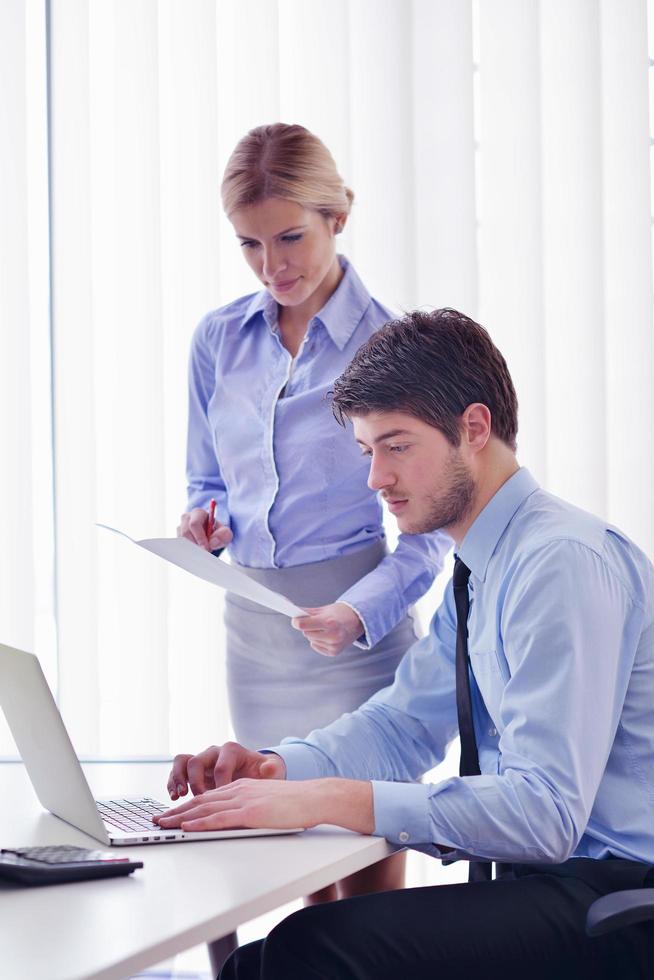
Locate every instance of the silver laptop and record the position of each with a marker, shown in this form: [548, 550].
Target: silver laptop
[57, 776]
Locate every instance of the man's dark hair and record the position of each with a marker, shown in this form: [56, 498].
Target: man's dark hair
[432, 366]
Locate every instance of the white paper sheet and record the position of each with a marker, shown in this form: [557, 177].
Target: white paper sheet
[197, 561]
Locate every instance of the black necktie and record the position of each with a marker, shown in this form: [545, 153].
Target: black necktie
[469, 765]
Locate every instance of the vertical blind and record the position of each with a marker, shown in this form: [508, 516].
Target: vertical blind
[27, 607]
[499, 154]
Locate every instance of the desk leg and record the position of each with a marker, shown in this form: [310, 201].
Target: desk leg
[219, 950]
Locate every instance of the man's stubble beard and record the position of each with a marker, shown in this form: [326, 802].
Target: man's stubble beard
[453, 504]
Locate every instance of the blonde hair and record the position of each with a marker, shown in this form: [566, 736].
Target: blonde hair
[285, 161]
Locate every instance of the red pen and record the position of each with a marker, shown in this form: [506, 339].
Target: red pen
[211, 520]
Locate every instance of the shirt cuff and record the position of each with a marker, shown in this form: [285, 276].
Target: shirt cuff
[402, 812]
[364, 640]
[302, 761]
[378, 613]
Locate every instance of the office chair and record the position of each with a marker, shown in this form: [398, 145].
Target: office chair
[620, 909]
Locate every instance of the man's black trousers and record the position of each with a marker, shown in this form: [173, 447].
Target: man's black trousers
[526, 925]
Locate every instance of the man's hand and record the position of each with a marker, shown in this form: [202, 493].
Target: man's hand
[277, 804]
[219, 765]
[329, 629]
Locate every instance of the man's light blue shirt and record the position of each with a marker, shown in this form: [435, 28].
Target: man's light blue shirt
[561, 642]
[289, 481]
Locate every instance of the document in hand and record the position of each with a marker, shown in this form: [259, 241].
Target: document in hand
[197, 561]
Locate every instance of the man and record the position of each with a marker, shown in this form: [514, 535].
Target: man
[541, 655]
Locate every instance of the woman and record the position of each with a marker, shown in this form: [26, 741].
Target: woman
[289, 483]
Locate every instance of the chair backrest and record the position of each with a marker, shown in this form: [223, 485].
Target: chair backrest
[620, 909]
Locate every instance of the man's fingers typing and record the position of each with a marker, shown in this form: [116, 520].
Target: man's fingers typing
[178, 779]
[270, 768]
[200, 770]
[174, 812]
[225, 820]
[218, 766]
[229, 762]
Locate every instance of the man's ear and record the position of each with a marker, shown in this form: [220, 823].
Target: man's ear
[476, 426]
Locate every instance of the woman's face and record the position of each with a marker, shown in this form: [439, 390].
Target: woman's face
[290, 249]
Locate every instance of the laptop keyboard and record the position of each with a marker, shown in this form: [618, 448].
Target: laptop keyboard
[131, 815]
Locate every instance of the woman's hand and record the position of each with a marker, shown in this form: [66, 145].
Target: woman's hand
[219, 765]
[194, 527]
[329, 629]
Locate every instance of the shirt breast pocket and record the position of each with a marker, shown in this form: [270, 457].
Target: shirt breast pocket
[486, 671]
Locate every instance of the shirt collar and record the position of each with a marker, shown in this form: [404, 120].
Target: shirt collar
[483, 535]
[340, 315]
[260, 303]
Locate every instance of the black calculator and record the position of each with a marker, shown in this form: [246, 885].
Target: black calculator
[59, 863]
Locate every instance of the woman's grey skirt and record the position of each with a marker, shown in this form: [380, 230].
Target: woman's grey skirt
[277, 684]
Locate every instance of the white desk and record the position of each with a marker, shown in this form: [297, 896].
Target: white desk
[185, 895]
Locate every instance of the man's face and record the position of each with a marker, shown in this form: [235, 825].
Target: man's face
[425, 480]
